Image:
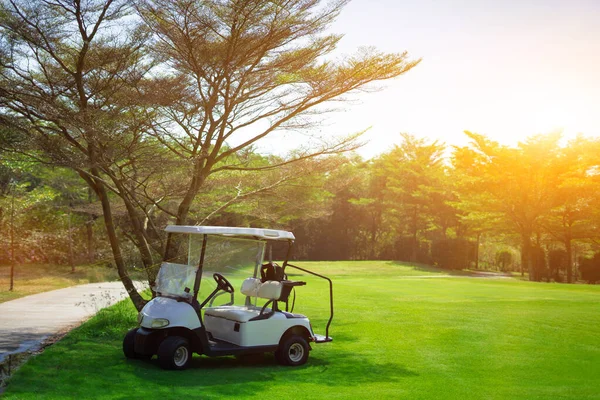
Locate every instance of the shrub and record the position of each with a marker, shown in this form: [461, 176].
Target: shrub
[540, 268]
[504, 259]
[557, 262]
[453, 253]
[590, 268]
[403, 246]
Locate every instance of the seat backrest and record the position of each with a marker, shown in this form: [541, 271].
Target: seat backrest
[250, 287]
[270, 290]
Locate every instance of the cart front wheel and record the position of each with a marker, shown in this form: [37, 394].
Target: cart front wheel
[129, 344]
[293, 351]
[174, 353]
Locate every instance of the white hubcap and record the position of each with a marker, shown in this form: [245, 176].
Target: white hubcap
[296, 352]
[181, 356]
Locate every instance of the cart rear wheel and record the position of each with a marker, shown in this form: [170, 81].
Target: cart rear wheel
[174, 353]
[293, 351]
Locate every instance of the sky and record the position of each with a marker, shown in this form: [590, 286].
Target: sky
[508, 69]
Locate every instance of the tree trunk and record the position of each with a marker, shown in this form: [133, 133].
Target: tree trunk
[373, 242]
[542, 272]
[526, 262]
[477, 250]
[71, 257]
[184, 207]
[569, 251]
[100, 190]
[89, 233]
[12, 243]
[415, 240]
[522, 268]
[137, 227]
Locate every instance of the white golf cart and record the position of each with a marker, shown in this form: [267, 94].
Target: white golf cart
[254, 320]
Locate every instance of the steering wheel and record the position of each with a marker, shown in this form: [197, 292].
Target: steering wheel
[223, 283]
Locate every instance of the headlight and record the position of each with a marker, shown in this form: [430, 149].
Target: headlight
[160, 323]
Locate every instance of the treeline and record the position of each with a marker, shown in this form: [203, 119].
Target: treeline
[533, 208]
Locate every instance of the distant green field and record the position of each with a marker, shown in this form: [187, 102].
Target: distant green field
[399, 332]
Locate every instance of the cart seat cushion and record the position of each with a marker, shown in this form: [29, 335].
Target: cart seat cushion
[270, 290]
[250, 287]
[233, 313]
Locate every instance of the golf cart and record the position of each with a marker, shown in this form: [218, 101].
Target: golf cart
[254, 320]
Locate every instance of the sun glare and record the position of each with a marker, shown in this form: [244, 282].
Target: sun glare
[570, 121]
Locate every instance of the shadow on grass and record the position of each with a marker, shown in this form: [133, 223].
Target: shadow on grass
[453, 272]
[228, 376]
[90, 360]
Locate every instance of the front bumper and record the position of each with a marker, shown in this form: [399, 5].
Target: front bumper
[147, 340]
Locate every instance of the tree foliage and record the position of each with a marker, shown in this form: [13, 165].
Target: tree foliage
[416, 190]
[133, 95]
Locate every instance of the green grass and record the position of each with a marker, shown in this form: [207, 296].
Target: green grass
[396, 335]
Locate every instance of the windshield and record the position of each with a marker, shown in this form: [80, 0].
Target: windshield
[234, 258]
[176, 280]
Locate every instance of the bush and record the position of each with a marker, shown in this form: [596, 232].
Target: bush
[504, 258]
[557, 262]
[590, 268]
[403, 247]
[453, 253]
[540, 268]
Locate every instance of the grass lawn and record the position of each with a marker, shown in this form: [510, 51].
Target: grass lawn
[35, 278]
[399, 332]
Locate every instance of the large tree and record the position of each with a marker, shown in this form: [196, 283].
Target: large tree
[69, 69]
[518, 183]
[148, 130]
[246, 70]
[416, 184]
[576, 197]
[370, 207]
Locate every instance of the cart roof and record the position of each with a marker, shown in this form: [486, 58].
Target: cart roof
[270, 234]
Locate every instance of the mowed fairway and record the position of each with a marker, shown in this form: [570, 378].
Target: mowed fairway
[399, 332]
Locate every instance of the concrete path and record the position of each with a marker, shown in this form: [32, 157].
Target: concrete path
[27, 322]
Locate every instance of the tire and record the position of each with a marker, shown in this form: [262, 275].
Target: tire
[129, 344]
[293, 351]
[174, 353]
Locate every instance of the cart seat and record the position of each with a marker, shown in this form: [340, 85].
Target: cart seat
[270, 290]
[240, 314]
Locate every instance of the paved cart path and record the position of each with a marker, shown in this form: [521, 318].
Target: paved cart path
[27, 322]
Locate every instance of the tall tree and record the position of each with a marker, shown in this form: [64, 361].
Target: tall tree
[575, 197]
[416, 186]
[67, 79]
[370, 206]
[517, 183]
[475, 221]
[246, 71]
[79, 85]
